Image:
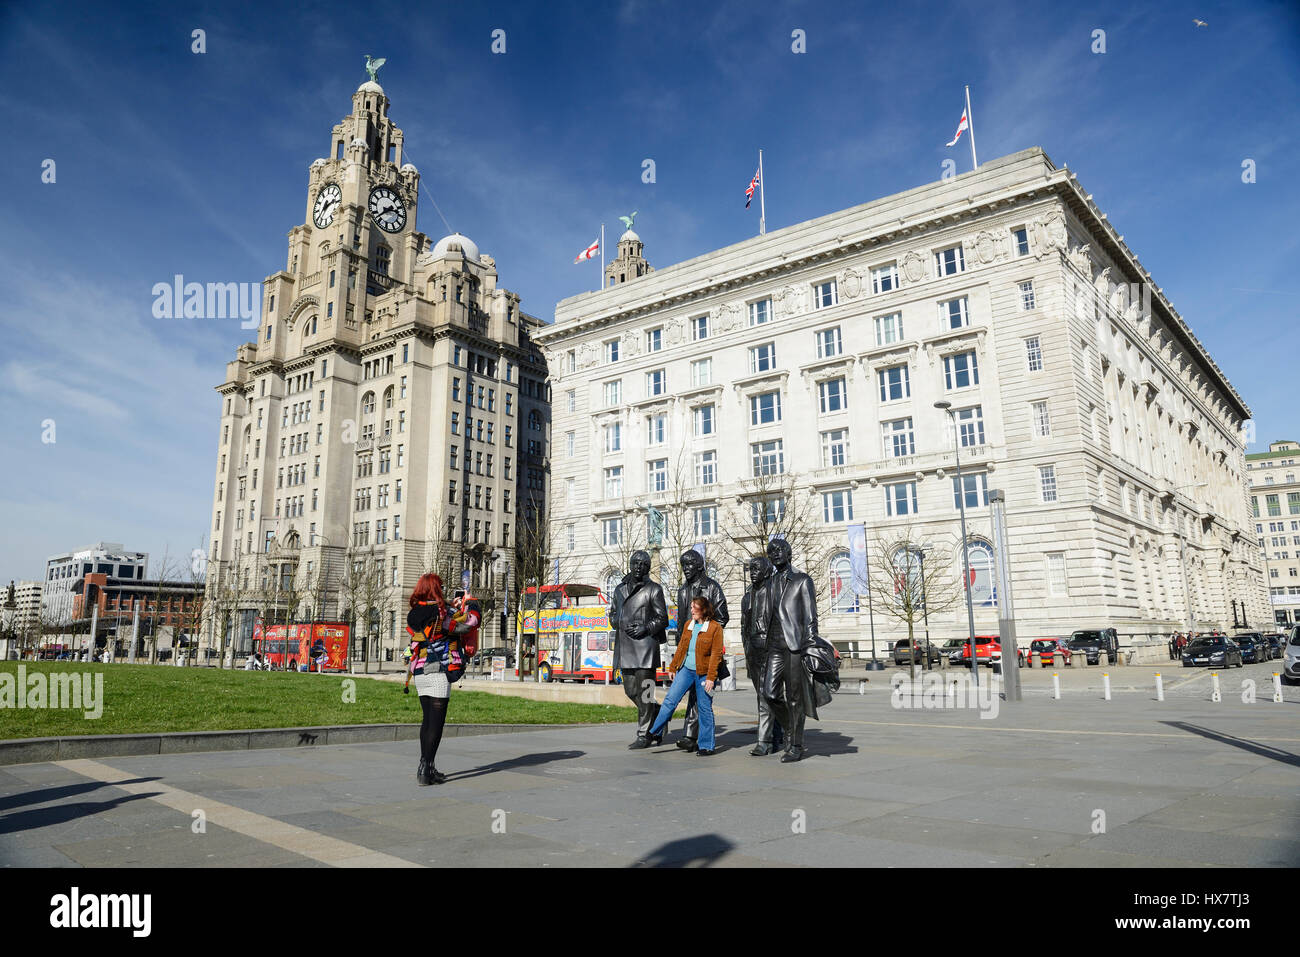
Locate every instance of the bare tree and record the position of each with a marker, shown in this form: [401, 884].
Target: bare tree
[912, 578]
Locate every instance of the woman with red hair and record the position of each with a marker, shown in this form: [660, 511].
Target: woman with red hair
[428, 624]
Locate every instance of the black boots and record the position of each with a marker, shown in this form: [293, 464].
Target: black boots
[641, 742]
[687, 744]
[426, 774]
[761, 750]
[793, 753]
[655, 739]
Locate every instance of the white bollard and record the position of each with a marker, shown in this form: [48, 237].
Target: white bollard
[862, 686]
[1215, 694]
[1056, 686]
[1160, 687]
[1105, 679]
[1277, 688]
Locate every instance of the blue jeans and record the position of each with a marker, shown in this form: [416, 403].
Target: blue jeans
[686, 680]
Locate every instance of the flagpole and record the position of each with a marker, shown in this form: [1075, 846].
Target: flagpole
[601, 278]
[970, 128]
[762, 196]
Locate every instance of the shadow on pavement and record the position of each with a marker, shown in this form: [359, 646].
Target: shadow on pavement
[45, 795]
[62, 813]
[1263, 750]
[515, 764]
[700, 851]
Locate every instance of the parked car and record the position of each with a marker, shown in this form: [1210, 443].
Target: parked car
[951, 649]
[1291, 657]
[924, 650]
[1094, 643]
[1254, 649]
[1051, 647]
[483, 657]
[1212, 651]
[987, 647]
[1276, 645]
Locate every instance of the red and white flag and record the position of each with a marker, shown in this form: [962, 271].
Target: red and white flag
[749, 192]
[589, 253]
[964, 124]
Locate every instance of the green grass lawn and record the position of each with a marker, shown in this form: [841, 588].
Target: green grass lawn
[140, 699]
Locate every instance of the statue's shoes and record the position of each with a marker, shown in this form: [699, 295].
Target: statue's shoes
[792, 755]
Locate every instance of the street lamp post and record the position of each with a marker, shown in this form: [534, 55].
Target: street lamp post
[965, 552]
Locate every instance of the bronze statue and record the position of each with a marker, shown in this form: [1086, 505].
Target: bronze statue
[696, 585]
[638, 615]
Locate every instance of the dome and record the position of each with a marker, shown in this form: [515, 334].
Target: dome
[409, 168]
[456, 243]
[370, 86]
[318, 162]
[629, 235]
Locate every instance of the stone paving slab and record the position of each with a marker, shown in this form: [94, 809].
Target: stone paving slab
[1183, 783]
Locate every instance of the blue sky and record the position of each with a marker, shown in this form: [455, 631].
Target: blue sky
[170, 162]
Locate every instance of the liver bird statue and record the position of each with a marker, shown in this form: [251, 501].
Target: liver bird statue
[627, 220]
[372, 66]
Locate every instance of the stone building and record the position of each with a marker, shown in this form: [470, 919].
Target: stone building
[1275, 508]
[388, 420]
[791, 379]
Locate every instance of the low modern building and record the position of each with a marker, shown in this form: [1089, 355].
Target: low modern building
[1275, 507]
[64, 572]
[788, 385]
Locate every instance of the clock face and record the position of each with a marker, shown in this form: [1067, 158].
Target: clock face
[387, 210]
[327, 201]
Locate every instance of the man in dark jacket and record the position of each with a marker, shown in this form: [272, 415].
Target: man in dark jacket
[696, 585]
[755, 616]
[638, 615]
[787, 683]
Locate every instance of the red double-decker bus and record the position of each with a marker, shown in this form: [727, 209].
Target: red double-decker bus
[289, 646]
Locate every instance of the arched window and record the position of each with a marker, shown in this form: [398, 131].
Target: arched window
[388, 397]
[983, 590]
[534, 421]
[368, 404]
[909, 582]
[843, 598]
[612, 577]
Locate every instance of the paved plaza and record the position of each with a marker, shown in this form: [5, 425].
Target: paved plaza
[1078, 781]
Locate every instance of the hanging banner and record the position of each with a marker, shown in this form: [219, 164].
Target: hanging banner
[858, 558]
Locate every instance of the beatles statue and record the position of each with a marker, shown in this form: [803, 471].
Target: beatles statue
[638, 616]
[696, 585]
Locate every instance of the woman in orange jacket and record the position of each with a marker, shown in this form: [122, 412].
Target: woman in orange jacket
[695, 665]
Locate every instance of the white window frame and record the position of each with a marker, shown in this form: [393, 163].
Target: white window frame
[950, 371]
[756, 357]
[1034, 353]
[1047, 484]
[826, 294]
[889, 328]
[946, 316]
[706, 468]
[702, 371]
[959, 261]
[891, 498]
[829, 440]
[836, 342]
[824, 395]
[754, 311]
[888, 273]
[905, 382]
[889, 435]
[756, 408]
[1040, 417]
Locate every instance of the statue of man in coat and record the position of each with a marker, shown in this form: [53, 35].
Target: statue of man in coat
[638, 616]
[696, 584]
[792, 629]
[755, 617]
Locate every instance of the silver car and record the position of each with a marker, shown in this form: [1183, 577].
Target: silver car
[1291, 660]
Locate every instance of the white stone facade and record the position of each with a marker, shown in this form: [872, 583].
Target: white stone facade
[1005, 289]
[65, 571]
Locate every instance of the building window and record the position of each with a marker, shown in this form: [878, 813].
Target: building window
[837, 506]
[705, 521]
[960, 371]
[762, 358]
[894, 383]
[614, 482]
[613, 393]
[1020, 240]
[703, 417]
[844, 599]
[656, 429]
[899, 439]
[1042, 421]
[889, 329]
[1057, 585]
[611, 531]
[768, 457]
[570, 536]
[611, 350]
[570, 443]
[970, 427]
[701, 372]
[829, 342]
[699, 328]
[900, 499]
[950, 261]
[1047, 482]
[760, 312]
[706, 468]
[954, 313]
[767, 512]
[657, 475]
[765, 408]
[1027, 295]
[573, 400]
[1274, 506]
[884, 278]
[825, 294]
[975, 489]
[654, 340]
[835, 448]
[656, 382]
[1034, 353]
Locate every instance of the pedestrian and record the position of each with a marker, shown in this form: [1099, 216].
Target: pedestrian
[695, 665]
[427, 623]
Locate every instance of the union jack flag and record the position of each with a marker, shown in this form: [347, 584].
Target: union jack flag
[749, 193]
